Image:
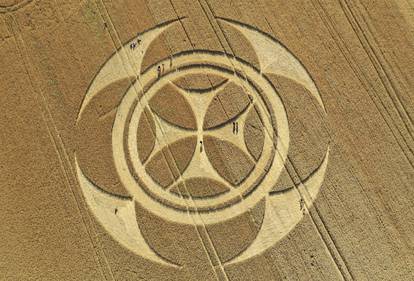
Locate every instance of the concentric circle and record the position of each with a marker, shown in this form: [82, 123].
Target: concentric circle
[209, 210]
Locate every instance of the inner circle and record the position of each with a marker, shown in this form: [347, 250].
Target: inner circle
[208, 203]
[195, 61]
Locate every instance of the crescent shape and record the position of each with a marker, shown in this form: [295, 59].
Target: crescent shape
[283, 213]
[125, 62]
[117, 215]
[276, 58]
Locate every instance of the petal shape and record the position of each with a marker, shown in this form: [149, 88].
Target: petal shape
[200, 82]
[145, 135]
[172, 106]
[308, 131]
[226, 105]
[228, 160]
[254, 133]
[169, 163]
[94, 138]
[230, 238]
[199, 188]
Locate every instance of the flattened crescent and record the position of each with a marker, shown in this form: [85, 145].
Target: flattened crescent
[276, 58]
[283, 213]
[117, 216]
[124, 63]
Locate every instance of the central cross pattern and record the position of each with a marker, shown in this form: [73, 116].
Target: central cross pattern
[208, 139]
